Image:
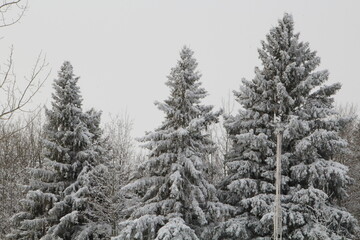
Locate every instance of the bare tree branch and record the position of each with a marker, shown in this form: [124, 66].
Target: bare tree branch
[20, 128]
[17, 98]
[18, 8]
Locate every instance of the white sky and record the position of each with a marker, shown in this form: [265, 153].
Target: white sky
[124, 49]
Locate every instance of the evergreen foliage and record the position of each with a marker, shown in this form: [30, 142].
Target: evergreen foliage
[174, 200]
[65, 198]
[74, 192]
[289, 90]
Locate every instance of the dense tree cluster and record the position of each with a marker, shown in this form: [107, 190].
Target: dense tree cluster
[199, 181]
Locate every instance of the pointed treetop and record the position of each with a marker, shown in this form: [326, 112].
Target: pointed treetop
[186, 92]
[186, 53]
[66, 89]
[66, 70]
[185, 69]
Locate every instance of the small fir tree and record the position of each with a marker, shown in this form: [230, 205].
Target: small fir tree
[287, 88]
[175, 201]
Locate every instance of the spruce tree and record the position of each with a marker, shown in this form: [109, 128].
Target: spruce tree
[59, 202]
[287, 87]
[175, 201]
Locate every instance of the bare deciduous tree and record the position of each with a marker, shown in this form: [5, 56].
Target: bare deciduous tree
[216, 168]
[120, 144]
[19, 151]
[12, 11]
[20, 147]
[351, 132]
[14, 97]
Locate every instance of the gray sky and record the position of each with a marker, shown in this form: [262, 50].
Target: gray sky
[124, 49]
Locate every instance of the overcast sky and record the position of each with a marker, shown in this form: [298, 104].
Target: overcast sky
[124, 49]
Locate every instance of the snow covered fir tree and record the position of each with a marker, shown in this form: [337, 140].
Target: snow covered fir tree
[173, 199]
[90, 184]
[289, 90]
[67, 198]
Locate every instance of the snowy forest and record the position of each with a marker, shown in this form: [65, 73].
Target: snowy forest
[203, 174]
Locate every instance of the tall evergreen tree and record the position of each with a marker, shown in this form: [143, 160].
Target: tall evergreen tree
[287, 88]
[59, 203]
[175, 201]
